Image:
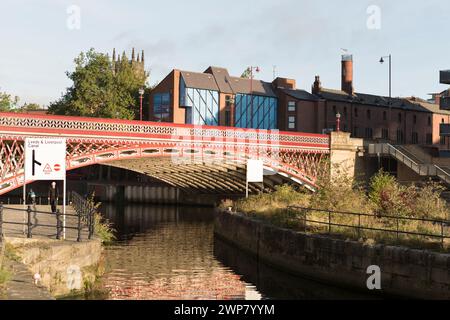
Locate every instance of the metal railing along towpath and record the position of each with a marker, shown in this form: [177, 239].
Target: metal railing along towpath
[392, 224]
[29, 217]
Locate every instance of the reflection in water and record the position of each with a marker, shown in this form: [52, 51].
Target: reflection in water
[169, 252]
[276, 284]
[166, 253]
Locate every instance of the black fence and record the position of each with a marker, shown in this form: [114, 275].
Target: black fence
[84, 218]
[360, 222]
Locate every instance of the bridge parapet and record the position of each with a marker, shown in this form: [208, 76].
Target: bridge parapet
[97, 141]
[83, 127]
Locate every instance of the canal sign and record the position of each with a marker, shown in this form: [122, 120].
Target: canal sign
[45, 159]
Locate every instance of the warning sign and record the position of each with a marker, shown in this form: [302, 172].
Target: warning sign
[45, 159]
[47, 169]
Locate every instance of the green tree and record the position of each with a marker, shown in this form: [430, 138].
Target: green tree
[30, 107]
[246, 74]
[101, 89]
[7, 102]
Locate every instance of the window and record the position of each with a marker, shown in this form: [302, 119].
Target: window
[201, 104]
[414, 119]
[291, 106]
[369, 133]
[228, 101]
[385, 134]
[442, 120]
[161, 106]
[442, 141]
[291, 122]
[345, 112]
[429, 120]
[399, 117]
[227, 118]
[334, 110]
[384, 115]
[429, 138]
[256, 112]
[368, 114]
[400, 136]
[355, 131]
[356, 113]
[415, 138]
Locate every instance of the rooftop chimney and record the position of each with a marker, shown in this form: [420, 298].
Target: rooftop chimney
[317, 86]
[347, 74]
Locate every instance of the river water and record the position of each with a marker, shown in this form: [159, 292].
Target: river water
[170, 252]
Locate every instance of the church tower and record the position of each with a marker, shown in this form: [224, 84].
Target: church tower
[137, 63]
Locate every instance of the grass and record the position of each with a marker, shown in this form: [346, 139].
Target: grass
[10, 253]
[384, 197]
[5, 275]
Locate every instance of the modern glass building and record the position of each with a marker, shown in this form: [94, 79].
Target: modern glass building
[202, 105]
[214, 98]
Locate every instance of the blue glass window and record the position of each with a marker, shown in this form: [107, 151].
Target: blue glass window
[256, 112]
[161, 106]
[202, 106]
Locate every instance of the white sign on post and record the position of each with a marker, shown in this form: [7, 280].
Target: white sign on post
[45, 159]
[255, 172]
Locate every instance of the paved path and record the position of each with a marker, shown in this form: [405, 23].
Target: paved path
[21, 286]
[44, 223]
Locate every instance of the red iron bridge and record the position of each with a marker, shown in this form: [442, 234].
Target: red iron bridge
[192, 158]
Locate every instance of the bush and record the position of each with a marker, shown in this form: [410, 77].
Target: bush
[103, 229]
[340, 193]
[388, 197]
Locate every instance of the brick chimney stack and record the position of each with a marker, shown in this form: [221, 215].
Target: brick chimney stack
[347, 74]
[317, 86]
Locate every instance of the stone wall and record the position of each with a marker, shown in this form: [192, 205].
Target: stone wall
[345, 153]
[404, 272]
[65, 267]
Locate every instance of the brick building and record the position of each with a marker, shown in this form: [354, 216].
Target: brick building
[215, 98]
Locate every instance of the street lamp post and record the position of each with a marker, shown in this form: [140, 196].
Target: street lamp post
[390, 73]
[141, 96]
[338, 122]
[251, 68]
[390, 87]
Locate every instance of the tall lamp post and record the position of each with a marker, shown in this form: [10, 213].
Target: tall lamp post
[251, 68]
[141, 96]
[390, 73]
[390, 89]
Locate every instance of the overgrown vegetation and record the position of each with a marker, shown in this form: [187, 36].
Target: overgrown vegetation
[5, 275]
[102, 227]
[383, 197]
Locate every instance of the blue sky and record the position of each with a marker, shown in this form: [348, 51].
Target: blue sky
[301, 37]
